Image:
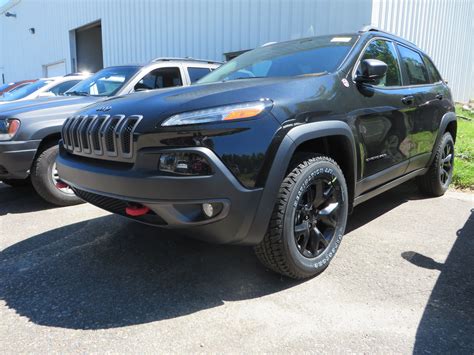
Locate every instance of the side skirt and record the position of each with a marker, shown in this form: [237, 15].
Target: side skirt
[385, 187]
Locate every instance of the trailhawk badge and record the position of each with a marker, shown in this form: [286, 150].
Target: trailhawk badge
[104, 108]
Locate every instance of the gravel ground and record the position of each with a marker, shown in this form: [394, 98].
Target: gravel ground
[77, 280]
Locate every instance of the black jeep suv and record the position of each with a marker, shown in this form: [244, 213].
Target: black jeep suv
[274, 148]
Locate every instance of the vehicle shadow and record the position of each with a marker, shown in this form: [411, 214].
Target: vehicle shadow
[22, 199]
[109, 272]
[383, 203]
[447, 324]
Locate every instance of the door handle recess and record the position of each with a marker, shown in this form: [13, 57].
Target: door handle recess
[439, 96]
[408, 100]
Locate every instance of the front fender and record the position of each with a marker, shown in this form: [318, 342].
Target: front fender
[296, 136]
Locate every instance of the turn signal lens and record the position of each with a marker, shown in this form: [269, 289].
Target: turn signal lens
[8, 128]
[218, 114]
[243, 113]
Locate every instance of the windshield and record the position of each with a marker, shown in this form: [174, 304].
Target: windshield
[305, 56]
[106, 82]
[25, 90]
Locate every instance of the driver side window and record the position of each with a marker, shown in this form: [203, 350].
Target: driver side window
[160, 78]
[385, 51]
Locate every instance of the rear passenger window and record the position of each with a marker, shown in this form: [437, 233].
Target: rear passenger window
[414, 66]
[434, 73]
[385, 51]
[160, 78]
[197, 73]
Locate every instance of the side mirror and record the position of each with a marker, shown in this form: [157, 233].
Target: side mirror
[370, 71]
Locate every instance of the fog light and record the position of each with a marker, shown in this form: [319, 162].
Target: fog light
[184, 164]
[208, 209]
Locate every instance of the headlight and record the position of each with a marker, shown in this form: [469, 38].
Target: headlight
[8, 128]
[218, 114]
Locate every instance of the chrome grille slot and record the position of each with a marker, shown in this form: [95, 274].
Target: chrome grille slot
[127, 134]
[64, 131]
[83, 128]
[75, 133]
[103, 137]
[109, 135]
[95, 134]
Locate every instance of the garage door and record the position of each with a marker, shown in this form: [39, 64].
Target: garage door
[55, 69]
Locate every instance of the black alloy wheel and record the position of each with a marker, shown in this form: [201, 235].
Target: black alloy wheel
[316, 217]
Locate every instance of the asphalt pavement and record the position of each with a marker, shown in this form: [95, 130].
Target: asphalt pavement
[80, 280]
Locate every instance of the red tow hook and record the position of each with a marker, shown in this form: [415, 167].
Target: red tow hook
[136, 210]
[61, 185]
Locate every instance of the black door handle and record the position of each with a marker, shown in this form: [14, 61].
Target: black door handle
[439, 96]
[408, 100]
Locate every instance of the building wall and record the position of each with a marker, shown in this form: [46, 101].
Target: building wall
[136, 31]
[139, 30]
[442, 28]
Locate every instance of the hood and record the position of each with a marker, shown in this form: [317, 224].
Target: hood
[64, 105]
[155, 106]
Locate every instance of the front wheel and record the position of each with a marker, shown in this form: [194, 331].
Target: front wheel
[308, 220]
[46, 182]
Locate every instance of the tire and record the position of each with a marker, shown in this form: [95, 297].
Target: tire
[436, 180]
[43, 181]
[303, 237]
[16, 182]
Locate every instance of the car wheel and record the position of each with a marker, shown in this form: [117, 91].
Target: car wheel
[308, 220]
[45, 179]
[440, 174]
[16, 182]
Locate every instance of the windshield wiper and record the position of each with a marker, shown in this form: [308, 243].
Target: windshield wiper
[78, 93]
[245, 77]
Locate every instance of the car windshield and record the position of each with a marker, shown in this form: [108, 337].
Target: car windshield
[24, 91]
[106, 82]
[305, 56]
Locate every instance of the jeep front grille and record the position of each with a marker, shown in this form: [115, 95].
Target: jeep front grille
[104, 136]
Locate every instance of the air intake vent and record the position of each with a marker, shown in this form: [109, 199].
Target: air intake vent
[105, 137]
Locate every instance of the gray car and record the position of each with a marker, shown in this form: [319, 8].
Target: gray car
[30, 130]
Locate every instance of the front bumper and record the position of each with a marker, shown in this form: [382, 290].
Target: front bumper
[172, 200]
[16, 158]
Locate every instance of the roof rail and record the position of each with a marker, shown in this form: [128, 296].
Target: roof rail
[372, 28]
[189, 59]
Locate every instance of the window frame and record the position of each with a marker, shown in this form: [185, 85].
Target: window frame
[427, 59]
[404, 75]
[406, 78]
[197, 67]
[145, 70]
[211, 68]
[361, 54]
[61, 83]
[156, 70]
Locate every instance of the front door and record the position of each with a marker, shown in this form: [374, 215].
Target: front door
[382, 124]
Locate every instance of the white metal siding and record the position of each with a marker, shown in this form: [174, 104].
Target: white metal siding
[136, 31]
[442, 28]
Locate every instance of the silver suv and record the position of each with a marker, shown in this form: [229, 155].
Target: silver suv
[30, 131]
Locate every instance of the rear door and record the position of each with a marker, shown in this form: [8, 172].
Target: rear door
[429, 93]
